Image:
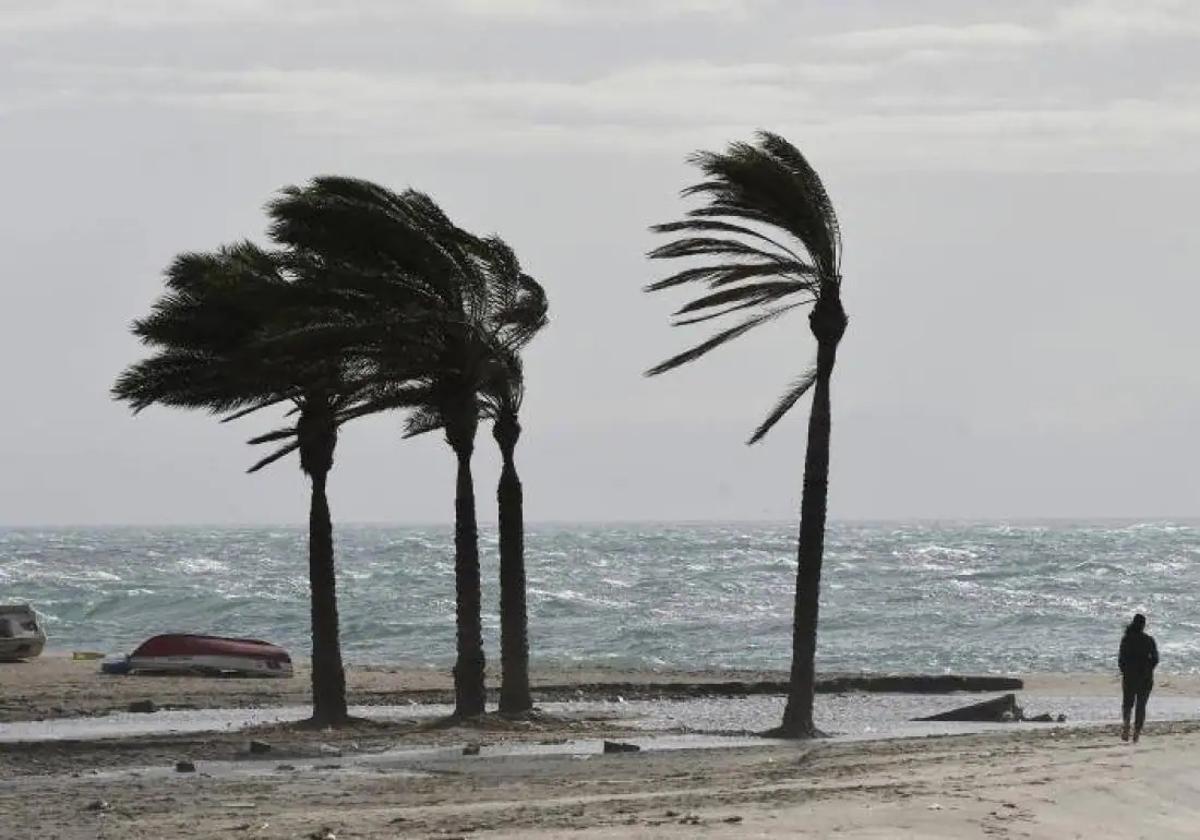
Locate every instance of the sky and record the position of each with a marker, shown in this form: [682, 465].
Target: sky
[1016, 184]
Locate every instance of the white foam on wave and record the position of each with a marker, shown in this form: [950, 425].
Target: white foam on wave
[201, 565]
[947, 552]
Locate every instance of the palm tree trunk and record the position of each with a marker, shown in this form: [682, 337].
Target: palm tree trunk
[515, 697]
[469, 690]
[828, 322]
[328, 676]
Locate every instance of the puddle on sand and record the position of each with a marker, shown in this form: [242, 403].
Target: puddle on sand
[419, 762]
[848, 716]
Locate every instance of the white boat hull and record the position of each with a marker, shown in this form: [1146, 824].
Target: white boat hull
[21, 648]
[21, 635]
[210, 664]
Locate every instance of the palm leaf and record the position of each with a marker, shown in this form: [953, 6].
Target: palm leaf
[281, 452]
[708, 225]
[723, 274]
[424, 420]
[748, 295]
[790, 397]
[769, 229]
[719, 339]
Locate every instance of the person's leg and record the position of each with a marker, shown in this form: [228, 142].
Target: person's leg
[1139, 719]
[1128, 695]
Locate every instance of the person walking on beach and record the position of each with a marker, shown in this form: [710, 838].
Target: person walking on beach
[1137, 659]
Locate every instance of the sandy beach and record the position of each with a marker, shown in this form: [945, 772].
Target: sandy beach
[549, 777]
[55, 686]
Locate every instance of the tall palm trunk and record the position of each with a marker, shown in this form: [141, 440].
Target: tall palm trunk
[515, 697]
[828, 323]
[318, 437]
[469, 689]
[328, 675]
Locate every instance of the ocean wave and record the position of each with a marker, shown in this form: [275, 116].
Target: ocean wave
[201, 565]
[945, 552]
[958, 597]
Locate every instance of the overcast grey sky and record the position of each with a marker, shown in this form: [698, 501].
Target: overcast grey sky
[1017, 184]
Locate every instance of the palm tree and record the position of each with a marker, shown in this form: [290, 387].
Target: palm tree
[477, 305]
[215, 335]
[505, 394]
[522, 308]
[480, 376]
[770, 242]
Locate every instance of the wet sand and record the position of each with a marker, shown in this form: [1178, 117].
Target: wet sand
[1032, 783]
[549, 778]
[56, 686]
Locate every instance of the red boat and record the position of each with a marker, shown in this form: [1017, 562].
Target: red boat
[180, 653]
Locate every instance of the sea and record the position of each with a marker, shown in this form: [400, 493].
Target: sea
[934, 597]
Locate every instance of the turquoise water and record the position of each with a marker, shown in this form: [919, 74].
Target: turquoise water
[896, 596]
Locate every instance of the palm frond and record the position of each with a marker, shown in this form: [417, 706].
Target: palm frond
[773, 181]
[771, 235]
[424, 420]
[729, 310]
[719, 339]
[272, 437]
[185, 379]
[705, 246]
[752, 294]
[711, 226]
[281, 452]
[722, 274]
[790, 397]
[257, 405]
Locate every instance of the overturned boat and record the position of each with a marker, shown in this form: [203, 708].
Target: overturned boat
[183, 653]
[21, 634]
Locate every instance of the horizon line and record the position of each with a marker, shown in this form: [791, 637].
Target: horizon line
[863, 520]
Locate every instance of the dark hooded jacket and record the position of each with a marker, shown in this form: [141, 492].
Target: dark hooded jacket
[1138, 657]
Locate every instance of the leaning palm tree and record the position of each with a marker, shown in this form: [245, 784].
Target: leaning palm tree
[519, 311]
[403, 244]
[217, 336]
[770, 243]
[505, 392]
[478, 377]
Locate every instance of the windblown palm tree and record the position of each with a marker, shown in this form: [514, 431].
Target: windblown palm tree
[477, 305]
[770, 242]
[215, 333]
[480, 377]
[519, 312]
[504, 394]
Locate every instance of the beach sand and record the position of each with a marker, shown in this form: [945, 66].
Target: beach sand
[1036, 782]
[56, 686]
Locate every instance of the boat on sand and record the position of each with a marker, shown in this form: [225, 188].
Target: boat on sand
[21, 635]
[184, 653]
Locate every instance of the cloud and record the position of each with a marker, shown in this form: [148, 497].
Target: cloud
[938, 96]
[55, 15]
[581, 10]
[49, 15]
[844, 111]
[1122, 19]
[1085, 20]
[651, 94]
[936, 36]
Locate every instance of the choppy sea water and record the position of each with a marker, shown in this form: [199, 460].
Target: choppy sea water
[896, 596]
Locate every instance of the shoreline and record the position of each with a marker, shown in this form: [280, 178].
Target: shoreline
[55, 686]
